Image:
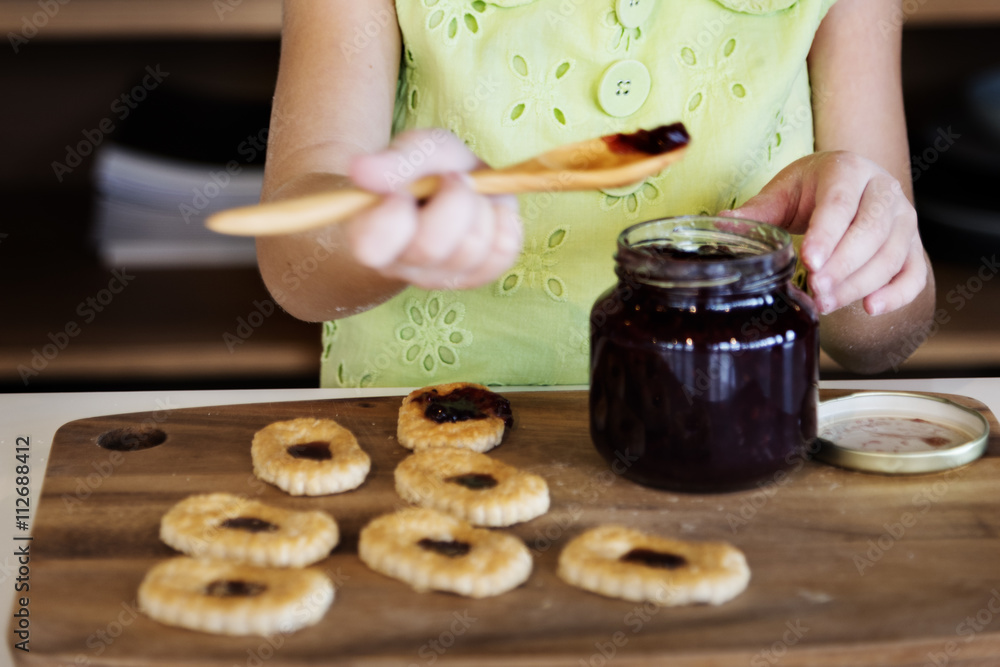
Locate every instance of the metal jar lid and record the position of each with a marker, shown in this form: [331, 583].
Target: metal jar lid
[899, 433]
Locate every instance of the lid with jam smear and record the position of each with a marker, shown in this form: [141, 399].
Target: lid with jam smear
[898, 433]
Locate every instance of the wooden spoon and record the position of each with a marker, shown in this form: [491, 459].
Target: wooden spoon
[605, 162]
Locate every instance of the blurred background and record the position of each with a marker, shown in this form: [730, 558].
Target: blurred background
[125, 123]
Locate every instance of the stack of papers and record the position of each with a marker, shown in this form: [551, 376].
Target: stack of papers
[150, 209]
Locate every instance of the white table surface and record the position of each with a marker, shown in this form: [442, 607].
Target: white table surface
[38, 416]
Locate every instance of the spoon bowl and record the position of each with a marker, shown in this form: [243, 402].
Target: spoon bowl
[610, 161]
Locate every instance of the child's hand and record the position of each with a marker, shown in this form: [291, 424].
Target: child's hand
[861, 239]
[457, 239]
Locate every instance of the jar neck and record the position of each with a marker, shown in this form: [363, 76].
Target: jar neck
[705, 257]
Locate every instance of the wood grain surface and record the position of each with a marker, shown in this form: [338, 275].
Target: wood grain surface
[847, 568]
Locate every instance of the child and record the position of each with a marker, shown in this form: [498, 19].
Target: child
[498, 289]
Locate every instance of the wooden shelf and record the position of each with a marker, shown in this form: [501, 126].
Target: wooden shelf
[89, 19]
[929, 13]
[967, 339]
[135, 18]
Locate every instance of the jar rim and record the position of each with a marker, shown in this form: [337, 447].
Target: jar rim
[746, 254]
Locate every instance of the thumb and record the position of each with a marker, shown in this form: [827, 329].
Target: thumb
[410, 156]
[778, 203]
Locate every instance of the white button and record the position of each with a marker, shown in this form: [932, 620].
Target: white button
[623, 88]
[631, 13]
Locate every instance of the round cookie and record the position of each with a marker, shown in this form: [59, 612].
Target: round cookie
[231, 527]
[433, 551]
[471, 486]
[624, 563]
[457, 414]
[309, 457]
[233, 598]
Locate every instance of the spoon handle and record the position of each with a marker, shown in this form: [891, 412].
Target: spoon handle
[289, 216]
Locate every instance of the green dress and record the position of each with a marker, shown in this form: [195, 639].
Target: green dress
[513, 78]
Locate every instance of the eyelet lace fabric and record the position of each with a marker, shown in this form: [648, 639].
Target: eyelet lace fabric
[757, 6]
[513, 78]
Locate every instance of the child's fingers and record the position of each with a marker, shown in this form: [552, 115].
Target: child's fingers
[500, 256]
[474, 246]
[378, 236]
[904, 286]
[776, 204]
[442, 224]
[840, 186]
[831, 294]
[866, 234]
[506, 247]
[410, 156]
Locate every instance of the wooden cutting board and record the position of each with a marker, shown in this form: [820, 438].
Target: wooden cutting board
[847, 568]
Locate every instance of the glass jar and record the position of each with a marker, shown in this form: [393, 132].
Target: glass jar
[704, 356]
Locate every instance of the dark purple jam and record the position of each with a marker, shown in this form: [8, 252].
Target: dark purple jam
[699, 386]
[475, 481]
[650, 558]
[250, 524]
[450, 549]
[466, 403]
[228, 588]
[314, 451]
[657, 141]
[702, 253]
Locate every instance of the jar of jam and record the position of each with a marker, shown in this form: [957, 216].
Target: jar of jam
[704, 373]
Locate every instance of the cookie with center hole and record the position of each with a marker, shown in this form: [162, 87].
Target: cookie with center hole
[471, 486]
[231, 527]
[227, 598]
[456, 414]
[309, 457]
[432, 551]
[621, 562]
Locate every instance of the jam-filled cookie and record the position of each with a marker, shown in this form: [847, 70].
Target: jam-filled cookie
[458, 414]
[230, 527]
[471, 486]
[309, 457]
[228, 598]
[433, 551]
[624, 563]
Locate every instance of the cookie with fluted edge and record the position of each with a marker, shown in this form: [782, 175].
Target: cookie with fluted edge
[471, 486]
[309, 457]
[456, 414]
[621, 562]
[223, 597]
[432, 551]
[231, 527]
